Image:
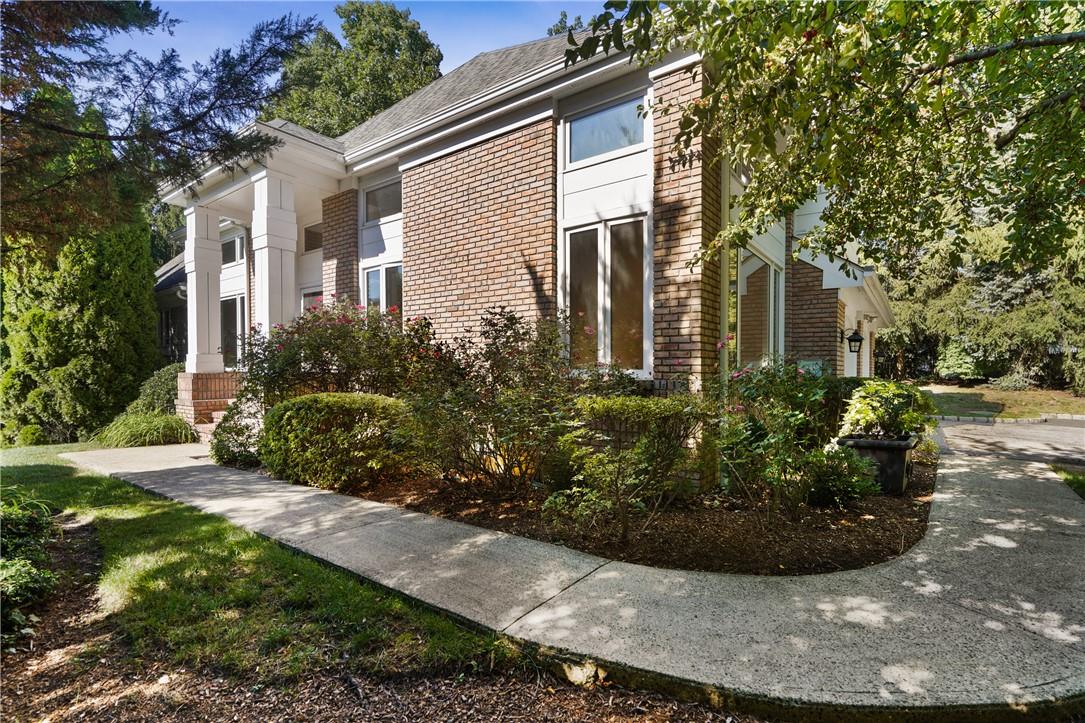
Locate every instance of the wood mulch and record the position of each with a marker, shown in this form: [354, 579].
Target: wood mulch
[714, 534]
[78, 667]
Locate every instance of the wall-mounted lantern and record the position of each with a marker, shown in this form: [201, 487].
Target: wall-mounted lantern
[854, 339]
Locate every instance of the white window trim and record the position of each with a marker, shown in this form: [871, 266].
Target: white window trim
[364, 208]
[384, 286]
[776, 303]
[604, 332]
[305, 228]
[307, 290]
[239, 252]
[241, 312]
[617, 152]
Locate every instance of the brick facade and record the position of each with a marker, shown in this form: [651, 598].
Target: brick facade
[813, 316]
[480, 228]
[201, 394]
[687, 202]
[340, 250]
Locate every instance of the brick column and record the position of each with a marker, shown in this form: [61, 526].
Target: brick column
[340, 265]
[199, 396]
[687, 215]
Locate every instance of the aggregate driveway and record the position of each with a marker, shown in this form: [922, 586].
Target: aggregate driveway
[985, 614]
[1055, 441]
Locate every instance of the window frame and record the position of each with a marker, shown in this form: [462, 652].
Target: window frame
[306, 228]
[240, 317]
[775, 290]
[567, 131]
[382, 268]
[309, 290]
[604, 337]
[238, 242]
[366, 221]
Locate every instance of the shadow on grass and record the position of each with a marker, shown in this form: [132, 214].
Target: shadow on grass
[192, 587]
[966, 404]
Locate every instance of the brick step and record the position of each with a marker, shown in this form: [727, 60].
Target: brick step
[218, 414]
[204, 430]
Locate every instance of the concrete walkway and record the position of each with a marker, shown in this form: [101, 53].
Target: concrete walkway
[986, 613]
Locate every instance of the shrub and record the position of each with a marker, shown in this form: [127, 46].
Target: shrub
[25, 528]
[21, 583]
[636, 457]
[956, 364]
[142, 430]
[888, 410]
[1015, 381]
[837, 477]
[31, 436]
[236, 437]
[926, 452]
[338, 440]
[158, 393]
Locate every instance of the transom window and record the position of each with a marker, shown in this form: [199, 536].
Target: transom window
[608, 268]
[609, 129]
[384, 201]
[233, 250]
[314, 237]
[384, 287]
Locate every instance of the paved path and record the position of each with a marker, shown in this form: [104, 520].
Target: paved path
[986, 611]
[1045, 442]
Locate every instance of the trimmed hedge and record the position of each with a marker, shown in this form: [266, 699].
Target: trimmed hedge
[158, 393]
[143, 430]
[338, 440]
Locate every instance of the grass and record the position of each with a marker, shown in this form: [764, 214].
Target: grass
[1073, 475]
[988, 402]
[198, 590]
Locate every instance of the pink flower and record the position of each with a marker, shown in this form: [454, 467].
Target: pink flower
[801, 370]
[730, 337]
[589, 330]
[720, 344]
[393, 309]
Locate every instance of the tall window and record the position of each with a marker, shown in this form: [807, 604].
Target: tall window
[384, 201]
[231, 326]
[608, 129]
[760, 309]
[607, 295]
[384, 287]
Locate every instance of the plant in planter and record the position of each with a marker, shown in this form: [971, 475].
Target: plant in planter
[884, 422]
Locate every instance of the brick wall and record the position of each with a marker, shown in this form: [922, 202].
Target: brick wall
[479, 230]
[340, 250]
[813, 316]
[686, 216]
[201, 394]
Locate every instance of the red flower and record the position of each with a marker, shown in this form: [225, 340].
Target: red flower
[393, 309]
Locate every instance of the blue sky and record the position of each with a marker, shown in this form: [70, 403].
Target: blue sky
[461, 29]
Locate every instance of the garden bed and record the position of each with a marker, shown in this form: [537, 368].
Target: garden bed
[714, 534]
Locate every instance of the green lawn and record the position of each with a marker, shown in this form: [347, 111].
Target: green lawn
[192, 588]
[1073, 476]
[987, 402]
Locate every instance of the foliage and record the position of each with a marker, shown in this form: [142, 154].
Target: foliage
[387, 56]
[338, 441]
[926, 452]
[158, 393]
[189, 588]
[634, 455]
[920, 121]
[145, 429]
[236, 437]
[154, 121]
[78, 337]
[26, 525]
[564, 25]
[31, 435]
[838, 477]
[1014, 381]
[888, 410]
[165, 220]
[955, 364]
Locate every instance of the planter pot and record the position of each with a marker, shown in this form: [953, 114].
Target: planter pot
[892, 456]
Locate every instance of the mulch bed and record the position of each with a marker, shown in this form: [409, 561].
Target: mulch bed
[715, 534]
[78, 667]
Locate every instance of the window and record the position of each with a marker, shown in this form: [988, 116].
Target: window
[384, 201]
[760, 309]
[608, 296]
[384, 287]
[312, 298]
[614, 127]
[314, 237]
[233, 250]
[232, 323]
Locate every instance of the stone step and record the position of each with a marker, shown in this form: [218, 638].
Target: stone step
[204, 430]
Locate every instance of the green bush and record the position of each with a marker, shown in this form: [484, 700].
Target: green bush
[143, 430]
[635, 455]
[1016, 380]
[22, 582]
[888, 410]
[236, 437]
[25, 527]
[338, 441]
[838, 477]
[158, 393]
[956, 364]
[31, 436]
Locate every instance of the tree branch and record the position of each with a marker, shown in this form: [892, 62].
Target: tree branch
[1006, 138]
[1040, 41]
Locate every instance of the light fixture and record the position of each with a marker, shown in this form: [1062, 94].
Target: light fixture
[854, 339]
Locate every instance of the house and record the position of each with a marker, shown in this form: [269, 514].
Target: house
[517, 181]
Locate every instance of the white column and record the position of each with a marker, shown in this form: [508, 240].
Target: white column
[203, 264]
[274, 245]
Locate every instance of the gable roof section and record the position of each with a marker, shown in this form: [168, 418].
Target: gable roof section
[481, 73]
[304, 133]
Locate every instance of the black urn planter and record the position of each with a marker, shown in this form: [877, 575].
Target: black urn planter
[892, 457]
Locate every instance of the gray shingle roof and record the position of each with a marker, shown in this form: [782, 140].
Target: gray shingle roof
[479, 74]
[301, 132]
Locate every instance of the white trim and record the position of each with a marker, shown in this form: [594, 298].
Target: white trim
[308, 290]
[363, 282]
[610, 102]
[376, 186]
[684, 59]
